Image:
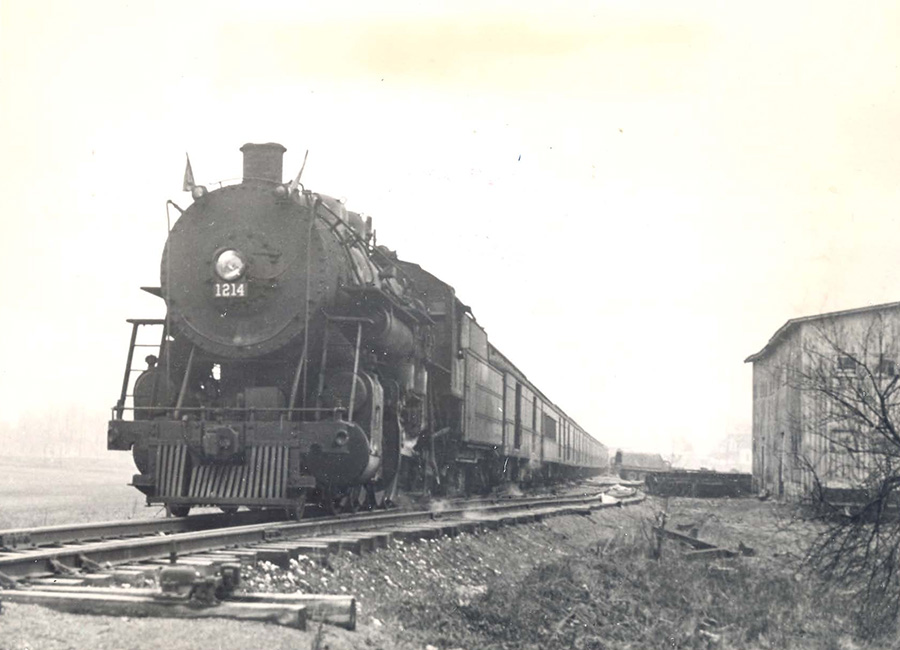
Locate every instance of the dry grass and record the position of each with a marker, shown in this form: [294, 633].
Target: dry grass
[43, 492]
[590, 582]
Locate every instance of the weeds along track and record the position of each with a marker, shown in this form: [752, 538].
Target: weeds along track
[127, 552]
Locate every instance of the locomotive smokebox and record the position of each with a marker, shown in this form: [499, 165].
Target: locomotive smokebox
[263, 162]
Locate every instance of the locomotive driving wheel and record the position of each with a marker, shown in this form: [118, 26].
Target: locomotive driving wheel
[294, 512]
[351, 502]
[371, 499]
[177, 510]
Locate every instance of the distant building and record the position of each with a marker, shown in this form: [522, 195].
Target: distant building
[797, 446]
[732, 454]
[634, 466]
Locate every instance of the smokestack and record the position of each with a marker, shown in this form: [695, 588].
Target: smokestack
[263, 162]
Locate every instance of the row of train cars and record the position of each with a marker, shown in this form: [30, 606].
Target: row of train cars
[301, 362]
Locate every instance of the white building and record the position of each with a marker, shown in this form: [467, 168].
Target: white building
[816, 390]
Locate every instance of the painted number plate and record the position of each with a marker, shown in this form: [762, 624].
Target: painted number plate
[230, 290]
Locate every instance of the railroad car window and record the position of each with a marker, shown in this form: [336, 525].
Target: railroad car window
[548, 427]
[517, 441]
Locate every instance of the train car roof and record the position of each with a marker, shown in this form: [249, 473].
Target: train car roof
[518, 374]
[492, 349]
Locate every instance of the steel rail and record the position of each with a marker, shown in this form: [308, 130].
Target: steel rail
[13, 538]
[42, 562]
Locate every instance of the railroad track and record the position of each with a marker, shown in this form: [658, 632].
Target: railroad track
[23, 538]
[17, 539]
[69, 550]
[81, 565]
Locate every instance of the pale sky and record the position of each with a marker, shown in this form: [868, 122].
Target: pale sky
[632, 196]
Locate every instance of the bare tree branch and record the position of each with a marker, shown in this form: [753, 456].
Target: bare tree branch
[850, 457]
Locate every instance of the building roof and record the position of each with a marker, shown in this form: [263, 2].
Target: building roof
[790, 325]
[638, 460]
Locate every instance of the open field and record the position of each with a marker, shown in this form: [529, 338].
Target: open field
[47, 491]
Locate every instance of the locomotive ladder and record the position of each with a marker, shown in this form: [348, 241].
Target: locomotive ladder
[136, 324]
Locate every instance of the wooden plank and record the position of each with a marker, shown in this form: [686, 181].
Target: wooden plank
[215, 560]
[291, 550]
[336, 610]
[131, 576]
[244, 556]
[62, 582]
[99, 579]
[710, 553]
[491, 523]
[375, 540]
[447, 528]
[415, 533]
[691, 541]
[342, 543]
[206, 565]
[299, 546]
[287, 614]
[280, 557]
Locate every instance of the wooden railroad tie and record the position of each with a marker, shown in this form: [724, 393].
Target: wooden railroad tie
[292, 610]
[91, 601]
[702, 550]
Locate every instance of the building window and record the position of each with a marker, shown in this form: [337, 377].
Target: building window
[846, 362]
[848, 463]
[886, 367]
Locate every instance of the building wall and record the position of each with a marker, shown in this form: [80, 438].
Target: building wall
[776, 417]
[792, 428]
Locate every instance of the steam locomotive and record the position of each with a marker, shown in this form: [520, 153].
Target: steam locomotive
[299, 362]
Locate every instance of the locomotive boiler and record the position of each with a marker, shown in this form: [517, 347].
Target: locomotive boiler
[297, 360]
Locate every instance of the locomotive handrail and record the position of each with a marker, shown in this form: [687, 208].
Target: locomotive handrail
[348, 319]
[189, 409]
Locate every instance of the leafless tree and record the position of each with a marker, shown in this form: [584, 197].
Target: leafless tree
[848, 458]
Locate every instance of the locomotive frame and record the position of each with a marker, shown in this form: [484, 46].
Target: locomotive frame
[300, 361]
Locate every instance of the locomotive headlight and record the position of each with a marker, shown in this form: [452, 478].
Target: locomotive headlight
[230, 265]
